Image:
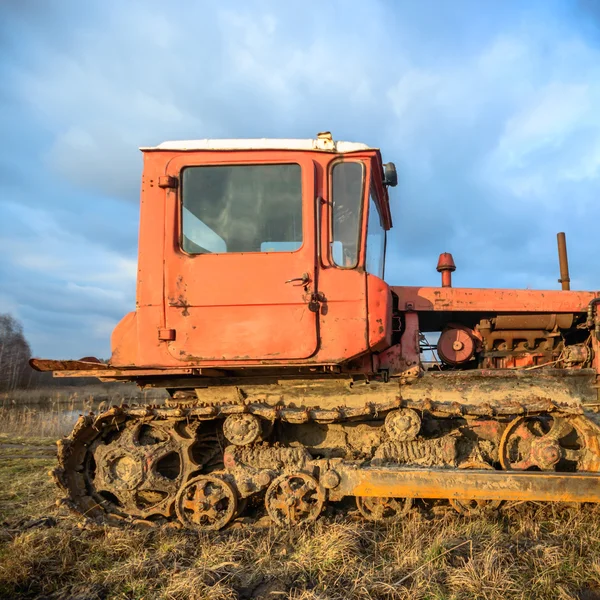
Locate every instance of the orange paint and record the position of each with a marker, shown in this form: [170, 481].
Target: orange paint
[426, 299]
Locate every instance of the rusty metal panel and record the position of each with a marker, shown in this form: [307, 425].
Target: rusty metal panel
[93, 365]
[121, 373]
[404, 359]
[491, 300]
[469, 484]
[238, 306]
[379, 312]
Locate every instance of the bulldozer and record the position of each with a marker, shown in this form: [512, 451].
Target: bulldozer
[297, 377]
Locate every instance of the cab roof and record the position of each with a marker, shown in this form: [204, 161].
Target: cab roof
[323, 142]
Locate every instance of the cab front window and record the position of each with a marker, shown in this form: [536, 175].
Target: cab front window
[241, 208]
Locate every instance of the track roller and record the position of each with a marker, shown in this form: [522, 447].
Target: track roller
[383, 510]
[475, 507]
[206, 502]
[294, 499]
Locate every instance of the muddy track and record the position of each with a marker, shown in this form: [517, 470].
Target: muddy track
[197, 466]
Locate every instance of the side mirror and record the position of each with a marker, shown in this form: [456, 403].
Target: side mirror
[390, 176]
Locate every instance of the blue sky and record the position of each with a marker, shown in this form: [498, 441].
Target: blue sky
[489, 109]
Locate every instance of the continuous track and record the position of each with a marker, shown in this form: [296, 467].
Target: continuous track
[196, 466]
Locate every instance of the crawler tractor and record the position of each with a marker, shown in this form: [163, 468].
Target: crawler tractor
[297, 376]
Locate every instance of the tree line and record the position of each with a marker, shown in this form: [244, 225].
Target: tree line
[15, 352]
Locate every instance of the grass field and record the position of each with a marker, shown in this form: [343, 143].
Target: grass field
[529, 551]
[113, 392]
[51, 412]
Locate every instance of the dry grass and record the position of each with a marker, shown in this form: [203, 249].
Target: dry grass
[51, 420]
[52, 412]
[113, 393]
[530, 552]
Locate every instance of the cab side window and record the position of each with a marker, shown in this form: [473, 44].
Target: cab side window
[375, 239]
[242, 208]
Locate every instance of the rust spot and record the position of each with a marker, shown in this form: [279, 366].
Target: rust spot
[180, 283]
[181, 303]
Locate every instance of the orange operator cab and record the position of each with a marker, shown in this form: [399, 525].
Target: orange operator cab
[260, 252]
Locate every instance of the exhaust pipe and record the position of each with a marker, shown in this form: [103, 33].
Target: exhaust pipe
[563, 261]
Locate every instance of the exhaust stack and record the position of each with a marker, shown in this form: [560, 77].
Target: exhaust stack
[563, 261]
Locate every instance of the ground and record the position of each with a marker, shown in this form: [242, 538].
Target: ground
[527, 551]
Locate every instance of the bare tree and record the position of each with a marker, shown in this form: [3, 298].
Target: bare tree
[14, 355]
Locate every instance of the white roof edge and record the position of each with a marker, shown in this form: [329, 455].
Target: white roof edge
[320, 144]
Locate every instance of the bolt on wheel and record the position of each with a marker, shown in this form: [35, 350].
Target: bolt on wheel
[474, 507]
[294, 499]
[383, 510]
[206, 503]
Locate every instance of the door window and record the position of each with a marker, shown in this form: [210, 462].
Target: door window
[346, 195]
[242, 208]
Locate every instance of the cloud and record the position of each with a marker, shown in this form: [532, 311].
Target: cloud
[490, 116]
[495, 147]
[60, 283]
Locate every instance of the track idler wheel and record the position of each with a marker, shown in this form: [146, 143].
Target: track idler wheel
[383, 510]
[474, 507]
[206, 503]
[544, 443]
[294, 499]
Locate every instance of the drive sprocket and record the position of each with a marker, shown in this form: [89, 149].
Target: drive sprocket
[117, 467]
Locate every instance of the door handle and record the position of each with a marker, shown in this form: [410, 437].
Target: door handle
[304, 280]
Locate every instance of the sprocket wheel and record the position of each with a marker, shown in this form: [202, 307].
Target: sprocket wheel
[117, 467]
[475, 507]
[206, 503]
[294, 499]
[383, 510]
[140, 471]
[545, 443]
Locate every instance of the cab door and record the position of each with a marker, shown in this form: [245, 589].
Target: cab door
[342, 277]
[356, 312]
[240, 257]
